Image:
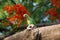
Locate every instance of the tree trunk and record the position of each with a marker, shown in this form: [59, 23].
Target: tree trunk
[42, 33]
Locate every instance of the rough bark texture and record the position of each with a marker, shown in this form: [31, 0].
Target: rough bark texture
[42, 33]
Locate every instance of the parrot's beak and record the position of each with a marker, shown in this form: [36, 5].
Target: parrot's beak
[24, 15]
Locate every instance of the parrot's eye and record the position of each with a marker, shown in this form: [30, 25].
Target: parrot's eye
[30, 26]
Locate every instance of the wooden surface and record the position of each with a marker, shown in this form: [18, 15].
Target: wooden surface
[42, 33]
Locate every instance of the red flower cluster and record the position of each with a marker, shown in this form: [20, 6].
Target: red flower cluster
[20, 11]
[53, 13]
[53, 2]
[56, 3]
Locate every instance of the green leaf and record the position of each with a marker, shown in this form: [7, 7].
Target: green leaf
[58, 11]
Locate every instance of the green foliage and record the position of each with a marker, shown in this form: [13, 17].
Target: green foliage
[58, 10]
[2, 16]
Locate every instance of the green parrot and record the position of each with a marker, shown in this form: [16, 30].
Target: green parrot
[29, 20]
[3, 15]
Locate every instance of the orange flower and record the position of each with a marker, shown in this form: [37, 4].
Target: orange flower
[53, 13]
[12, 19]
[56, 3]
[53, 2]
[8, 8]
[20, 10]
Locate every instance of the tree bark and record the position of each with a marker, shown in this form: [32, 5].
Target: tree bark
[42, 33]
